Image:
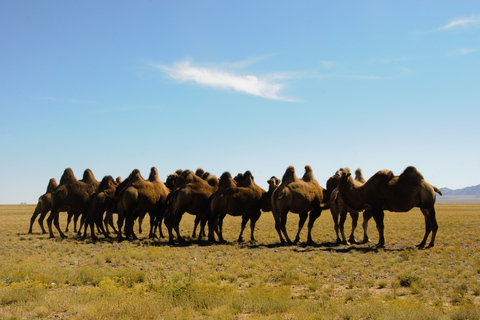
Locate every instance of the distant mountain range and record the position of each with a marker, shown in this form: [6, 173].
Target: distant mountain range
[465, 195]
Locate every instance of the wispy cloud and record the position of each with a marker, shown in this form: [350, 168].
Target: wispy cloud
[265, 87]
[461, 52]
[463, 22]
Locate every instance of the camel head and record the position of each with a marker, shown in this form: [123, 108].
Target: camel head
[239, 178]
[119, 180]
[273, 182]
[171, 182]
[343, 174]
[106, 183]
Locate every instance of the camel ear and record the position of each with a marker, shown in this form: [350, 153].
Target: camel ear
[349, 174]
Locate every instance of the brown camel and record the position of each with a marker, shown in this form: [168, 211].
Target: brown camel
[297, 196]
[101, 201]
[71, 195]
[385, 191]
[43, 206]
[236, 201]
[273, 184]
[191, 197]
[141, 196]
[340, 210]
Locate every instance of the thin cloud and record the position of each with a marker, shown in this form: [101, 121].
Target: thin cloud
[223, 80]
[464, 22]
[461, 52]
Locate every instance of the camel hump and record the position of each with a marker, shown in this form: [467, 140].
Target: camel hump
[67, 177]
[289, 175]
[135, 176]
[411, 175]
[52, 184]
[119, 180]
[88, 176]
[225, 180]
[199, 172]
[385, 174]
[153, 174]
[308, 175]
[106, 183]
[359, 176]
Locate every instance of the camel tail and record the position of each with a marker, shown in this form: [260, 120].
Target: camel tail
[437, 190]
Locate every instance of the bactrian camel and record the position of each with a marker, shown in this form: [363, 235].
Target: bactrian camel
[385, 191]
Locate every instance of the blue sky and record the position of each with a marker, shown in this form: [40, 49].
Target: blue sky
[235, 86]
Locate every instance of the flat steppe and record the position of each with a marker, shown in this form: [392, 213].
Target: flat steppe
[148, 279]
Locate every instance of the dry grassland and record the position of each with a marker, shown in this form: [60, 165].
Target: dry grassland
[80, 279]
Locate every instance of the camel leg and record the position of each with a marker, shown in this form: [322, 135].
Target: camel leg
[354, 216]
[75, 220]
[57, 225]
[169, 224]
[160, 226]
[430, 226]
[302, 217]
[335, 213]
[314, 214]
[177, 228]
[34, 216]
[367, 214]
[341, 225]
[283, 226]
[212, 225]
[378, 215]
[69, 219]
[49, 224]
[202, 233]
[220, 228]
[197, 221]
[253, 220]
[245, 219]
[41, 219]
[278, 226]
[140, 221]
[434, 225]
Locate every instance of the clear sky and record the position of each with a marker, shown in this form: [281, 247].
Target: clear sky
[235, 86]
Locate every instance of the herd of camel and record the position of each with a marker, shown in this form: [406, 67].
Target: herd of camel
[210, 199]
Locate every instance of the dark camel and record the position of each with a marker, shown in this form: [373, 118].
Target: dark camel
[385, 191]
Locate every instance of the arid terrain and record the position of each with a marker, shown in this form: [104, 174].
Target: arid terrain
[149, 279]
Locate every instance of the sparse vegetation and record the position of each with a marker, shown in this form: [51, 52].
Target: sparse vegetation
[147, 279]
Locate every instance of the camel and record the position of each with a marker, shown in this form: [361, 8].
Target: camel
[340, 210]
[44, 205]
[273, 184]
[297, 196]
[71, 195]
[237, 201]
[385, 191]
[141, 196]
[99, 202]
[191, 197]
